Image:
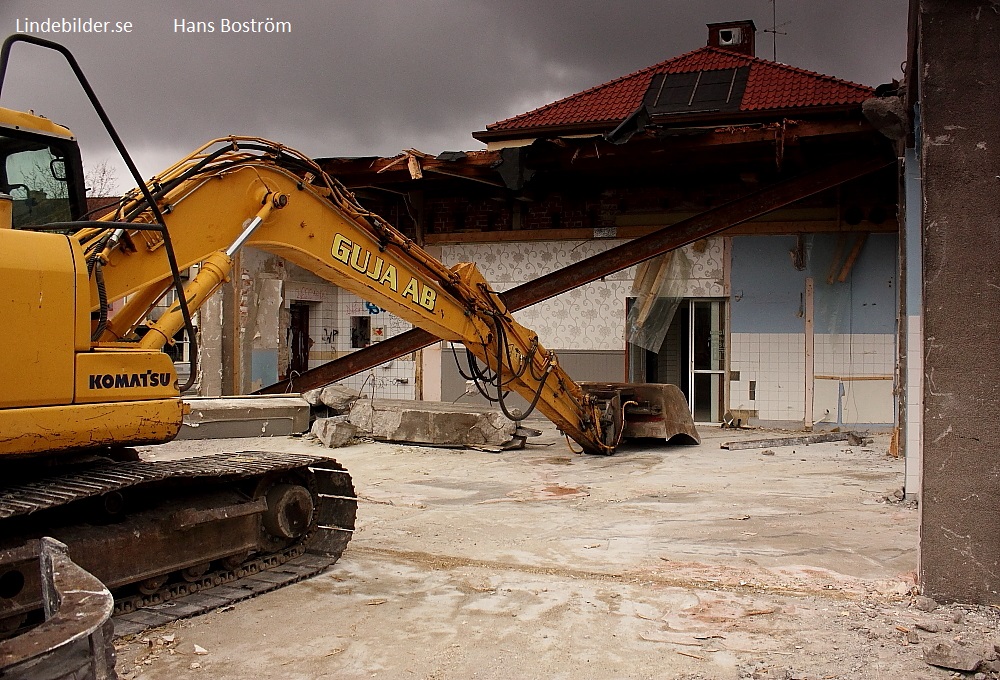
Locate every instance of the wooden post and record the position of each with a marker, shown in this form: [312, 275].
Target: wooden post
[810, 355]
[231, 348]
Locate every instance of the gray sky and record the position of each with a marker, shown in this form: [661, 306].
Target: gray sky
[367, 77]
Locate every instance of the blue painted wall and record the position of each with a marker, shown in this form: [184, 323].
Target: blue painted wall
[768, 292]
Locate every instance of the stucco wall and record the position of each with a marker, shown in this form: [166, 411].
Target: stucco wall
[959, 79]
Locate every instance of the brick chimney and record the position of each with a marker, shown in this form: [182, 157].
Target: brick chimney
[735, 36]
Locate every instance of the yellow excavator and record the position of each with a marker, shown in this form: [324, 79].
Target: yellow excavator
[78, 385]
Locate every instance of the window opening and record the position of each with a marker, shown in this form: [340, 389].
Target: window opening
[361, 331]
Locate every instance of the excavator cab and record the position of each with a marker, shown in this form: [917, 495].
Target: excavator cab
[46, 339]
[40, 170]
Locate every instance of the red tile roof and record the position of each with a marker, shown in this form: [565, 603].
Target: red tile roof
[770, 86]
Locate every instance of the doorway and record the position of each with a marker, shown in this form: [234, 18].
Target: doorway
[692, 356]
[298, 339]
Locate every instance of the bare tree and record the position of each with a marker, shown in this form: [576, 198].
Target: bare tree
[102, 180]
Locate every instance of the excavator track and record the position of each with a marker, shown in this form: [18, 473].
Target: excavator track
[224, 588]
[177, 538]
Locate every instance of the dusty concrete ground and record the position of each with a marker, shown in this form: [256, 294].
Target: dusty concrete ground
[659, 562]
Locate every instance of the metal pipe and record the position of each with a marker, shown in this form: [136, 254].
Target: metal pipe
[277, 201]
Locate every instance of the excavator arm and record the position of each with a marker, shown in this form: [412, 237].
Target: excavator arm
[248, 191]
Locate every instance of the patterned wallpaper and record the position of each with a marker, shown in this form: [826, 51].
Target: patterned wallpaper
[591, 317]
[706, 275]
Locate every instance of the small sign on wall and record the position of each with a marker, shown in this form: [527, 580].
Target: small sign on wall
[378, 333]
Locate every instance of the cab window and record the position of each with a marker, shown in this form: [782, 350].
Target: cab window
[35, 175]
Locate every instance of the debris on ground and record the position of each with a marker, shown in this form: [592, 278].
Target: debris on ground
[334, 432]
[551, 565]
[338, 399]
[947, 654]
[434, 423]
[852, 438]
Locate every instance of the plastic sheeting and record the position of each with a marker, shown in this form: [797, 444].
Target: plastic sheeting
[659, 289]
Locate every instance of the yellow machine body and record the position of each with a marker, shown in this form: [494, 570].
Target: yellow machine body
[57, 391]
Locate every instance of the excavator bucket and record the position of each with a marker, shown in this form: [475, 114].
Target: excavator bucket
[646, 410]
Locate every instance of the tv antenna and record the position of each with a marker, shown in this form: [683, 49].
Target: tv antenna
[774, 29]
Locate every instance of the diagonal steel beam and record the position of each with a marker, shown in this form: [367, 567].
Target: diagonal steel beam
[687, 231]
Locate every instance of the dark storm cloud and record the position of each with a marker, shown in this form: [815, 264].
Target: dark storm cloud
[359, 78]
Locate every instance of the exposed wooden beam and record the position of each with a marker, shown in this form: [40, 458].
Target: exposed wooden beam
[757, 228]
[471, 174]
[838, 252]
[647, 295]
[859, 243]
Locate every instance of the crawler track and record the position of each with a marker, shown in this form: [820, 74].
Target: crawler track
[143, 617]
[185, 536]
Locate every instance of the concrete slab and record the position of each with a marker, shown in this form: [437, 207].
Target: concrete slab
[688, 562]
[267, 416]
[334, 432]
[432, 422]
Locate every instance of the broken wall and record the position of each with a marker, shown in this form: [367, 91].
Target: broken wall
[853, 328]
[243, 328]
[590, 317]
[586, 325]
[258, 280]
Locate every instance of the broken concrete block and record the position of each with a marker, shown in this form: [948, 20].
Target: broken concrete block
[924, 604]
[337, 398]
[334, 432]
[259, 416]
[435, 423]
[951, 655]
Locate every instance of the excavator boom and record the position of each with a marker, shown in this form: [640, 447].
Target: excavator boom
[249, 191]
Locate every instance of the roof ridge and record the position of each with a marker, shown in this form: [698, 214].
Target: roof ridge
[789, 67]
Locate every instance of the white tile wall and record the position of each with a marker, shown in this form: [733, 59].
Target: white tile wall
[776, 361]
[842, 355]
[392, 380]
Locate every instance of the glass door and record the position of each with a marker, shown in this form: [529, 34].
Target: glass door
[692, 356]
[707, 339]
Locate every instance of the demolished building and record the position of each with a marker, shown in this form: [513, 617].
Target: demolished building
[787, 318]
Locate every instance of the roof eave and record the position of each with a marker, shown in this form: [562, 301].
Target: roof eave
[722, 118]
[595, 127]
